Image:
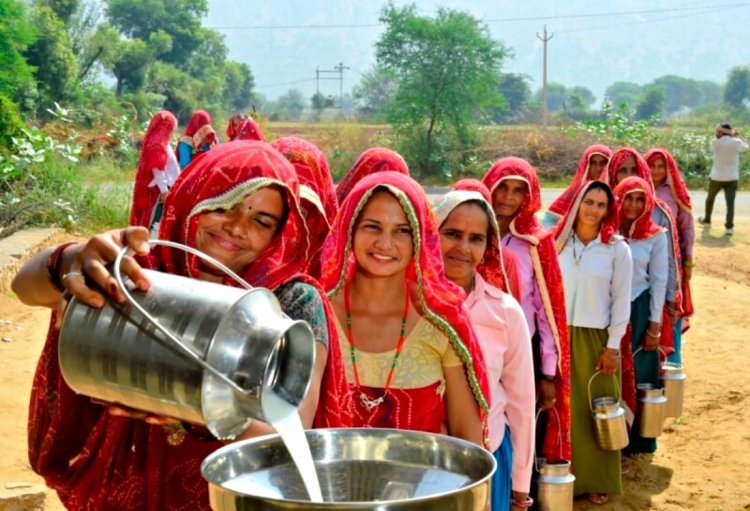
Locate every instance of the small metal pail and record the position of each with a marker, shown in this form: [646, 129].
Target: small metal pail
[673, 380]
[610, 428]
[193, 350]
[652, 406]
[555, 481]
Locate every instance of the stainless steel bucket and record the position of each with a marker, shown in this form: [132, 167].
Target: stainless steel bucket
[197, 351]
[673, 379]
[555, 483]
[358, 468]
[652, 407]
[610, 428]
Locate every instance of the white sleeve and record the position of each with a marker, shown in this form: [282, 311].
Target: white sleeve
[622, 280]
[160, 180]
[742, 145]
[658, 275]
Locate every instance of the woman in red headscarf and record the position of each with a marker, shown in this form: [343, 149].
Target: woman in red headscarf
[649, 247]
[157, 171]
[469, 240]
[317, 193]
[597, 271]
[591, 167]
[249, 129]
[627, 162]
[375, 159]
[199, 138]
[239, 205]
[672, 190]
[233, 125]
[506, 276]
[413, 359]
[516, 198]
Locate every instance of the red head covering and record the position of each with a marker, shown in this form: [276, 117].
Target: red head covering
[375, 159]
[198, 127]
[642, 227]
[231, 129]
[618, 158]
[249, 129]
[674, 176]
[438, 300]
[548, 277]
[500, 267]
[561, 204]
[153, 156]
[317, 193]
[609, 226]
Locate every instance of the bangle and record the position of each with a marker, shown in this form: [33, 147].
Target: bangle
[688, 264]
[53, 266]
[612, 353]
[654, 335]
[195, 434]
[527, 503]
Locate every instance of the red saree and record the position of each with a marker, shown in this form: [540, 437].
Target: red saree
[153, 156]
[317, 193]
[249, 129]
[99, 461]
[198, 127]
[561, 204]
[526, 226]
[438, 300]
[375, 159]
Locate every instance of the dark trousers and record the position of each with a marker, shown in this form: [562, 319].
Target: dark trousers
[730, 191]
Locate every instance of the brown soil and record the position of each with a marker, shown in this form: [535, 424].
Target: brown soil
[700, 462]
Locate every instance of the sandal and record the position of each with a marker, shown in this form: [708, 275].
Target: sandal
[598, 498]
[624, 466]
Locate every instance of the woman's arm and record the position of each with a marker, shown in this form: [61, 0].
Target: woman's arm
[461, 405]
[33, 284]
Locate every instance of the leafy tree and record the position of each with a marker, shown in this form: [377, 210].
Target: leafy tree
[375, 92]
[623, 92]
[516, 90]
[16, 76]
[238, 85]
[52, 56]
[181, 19]
[556, 96]
[710, 92]
[447, 69]
[63, 9]
[320, 102]
[680, 92]
[651, 103]
[737, 88]
[99, 50]
[291, 105]
[133, 57]
[176, 87]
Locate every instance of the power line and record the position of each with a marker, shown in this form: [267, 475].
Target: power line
[282, 84]
[697, 9]
[637, 22]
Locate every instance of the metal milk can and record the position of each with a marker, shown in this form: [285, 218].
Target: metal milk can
[555, 481]
[610, 428]
[197, 351]
[673, 380]
[653, 406]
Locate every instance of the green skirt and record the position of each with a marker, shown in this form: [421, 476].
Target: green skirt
[646, 366]
[596, 471]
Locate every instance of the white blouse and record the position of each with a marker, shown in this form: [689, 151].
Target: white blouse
[597, 279]
[651, 271]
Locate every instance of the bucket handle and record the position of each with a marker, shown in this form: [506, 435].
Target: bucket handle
[661, 352]
[617, 389]
[176, 341]
[559, 433]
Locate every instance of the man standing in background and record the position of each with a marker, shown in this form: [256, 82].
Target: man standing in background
[725, 172]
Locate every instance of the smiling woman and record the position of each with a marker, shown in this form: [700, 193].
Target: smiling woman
[239, 203]
[413, 359]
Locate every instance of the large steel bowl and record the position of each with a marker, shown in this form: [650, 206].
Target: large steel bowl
[382, 469]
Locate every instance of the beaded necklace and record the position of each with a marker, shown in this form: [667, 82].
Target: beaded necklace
[366, 401]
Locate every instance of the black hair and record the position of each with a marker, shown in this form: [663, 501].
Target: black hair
[598, 185]
[726, 125]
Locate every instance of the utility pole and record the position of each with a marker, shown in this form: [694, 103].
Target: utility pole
[340, 68]
[545, 112]
[317, 80]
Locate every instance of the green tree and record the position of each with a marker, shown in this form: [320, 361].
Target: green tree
[176, 87]
[63, 9]
[556, 96]
[680, 92]
[447, 69]
[737, 88]
[181, 19]
[132, 59]
[516, 90]
[623, 92]
[320, 102]
[52, 56]
[290, 105]
[98, 50]
[652, 103]
[16, 76]
[375, 92]
[238, 85]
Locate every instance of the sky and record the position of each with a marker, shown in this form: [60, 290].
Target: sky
[593, 43]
